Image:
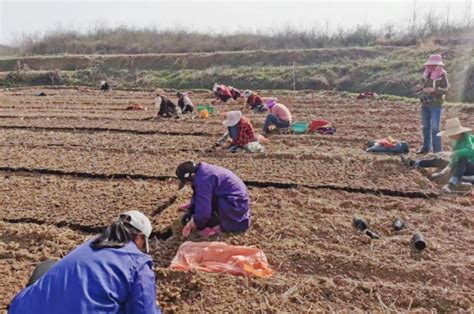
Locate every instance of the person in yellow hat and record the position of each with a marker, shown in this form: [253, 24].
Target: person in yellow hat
[462, 160]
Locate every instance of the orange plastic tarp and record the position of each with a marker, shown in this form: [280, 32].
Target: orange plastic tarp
[220, 257]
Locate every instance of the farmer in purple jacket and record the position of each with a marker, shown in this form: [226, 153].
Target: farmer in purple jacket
[220, 199]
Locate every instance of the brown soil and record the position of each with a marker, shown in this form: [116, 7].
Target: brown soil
[58, 154]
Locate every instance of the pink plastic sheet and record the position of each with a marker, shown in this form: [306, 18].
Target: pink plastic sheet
[220, 257]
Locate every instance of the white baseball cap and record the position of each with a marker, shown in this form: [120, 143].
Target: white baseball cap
[141, 222]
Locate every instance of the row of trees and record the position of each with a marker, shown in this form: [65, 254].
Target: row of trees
[128, 40]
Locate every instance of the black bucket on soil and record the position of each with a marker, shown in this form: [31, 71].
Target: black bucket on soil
[398, 224]
[418, 241]
[359, 223]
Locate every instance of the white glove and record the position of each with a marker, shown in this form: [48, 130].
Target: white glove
[443, 172]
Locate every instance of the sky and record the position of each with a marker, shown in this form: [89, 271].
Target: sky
[19, 17]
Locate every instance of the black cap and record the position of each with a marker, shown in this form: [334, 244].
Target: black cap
[179, 94]
[184, 172]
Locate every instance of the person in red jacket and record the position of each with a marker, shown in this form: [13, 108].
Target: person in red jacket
[236, 94]
[241, 133]
[254, 101]
[222, 92]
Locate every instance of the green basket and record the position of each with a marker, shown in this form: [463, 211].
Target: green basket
[300, 127]
[208, 107]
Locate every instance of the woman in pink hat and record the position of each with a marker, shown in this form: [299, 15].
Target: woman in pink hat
[434, 86]
[279, 115]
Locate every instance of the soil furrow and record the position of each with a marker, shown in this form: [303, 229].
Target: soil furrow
[107, 130]
[250, 183]
[61, 224]
[79, 227]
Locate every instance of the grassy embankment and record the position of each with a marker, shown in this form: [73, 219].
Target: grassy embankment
[385, 70]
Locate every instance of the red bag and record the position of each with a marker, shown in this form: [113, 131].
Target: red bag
[318, 123]
[366, 95]
[136, 107]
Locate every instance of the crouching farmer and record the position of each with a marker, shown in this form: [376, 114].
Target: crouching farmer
[105, 86]
[240, 134]
[221, 92]
[279, 116]
[254, 101]
[462, 159]
[220, 201]
[185, 103]
[109, 274]
[236, 94]
[166, 108]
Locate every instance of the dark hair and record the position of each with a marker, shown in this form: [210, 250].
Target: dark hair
[117, 235]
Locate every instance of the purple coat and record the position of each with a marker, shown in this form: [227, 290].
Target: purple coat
[219, 188]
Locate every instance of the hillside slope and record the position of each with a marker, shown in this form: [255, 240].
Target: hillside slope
[386, 70]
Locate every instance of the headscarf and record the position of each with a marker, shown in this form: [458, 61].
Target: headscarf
[270, 103]
[435, 74]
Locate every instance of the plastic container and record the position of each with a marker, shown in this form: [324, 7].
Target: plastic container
[418, 241]
[300, 127]
[204, 114]
[398, 224]
[201, 107]
[359, 223]
[210, 109]
[207, 107]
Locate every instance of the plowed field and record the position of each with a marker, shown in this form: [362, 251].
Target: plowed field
[71, 162]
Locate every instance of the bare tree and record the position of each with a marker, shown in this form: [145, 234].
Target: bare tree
[468, 13]
[413, 20]
[447, 14]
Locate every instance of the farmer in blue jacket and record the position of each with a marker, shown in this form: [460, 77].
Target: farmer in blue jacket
[220, 200]
[109, 274]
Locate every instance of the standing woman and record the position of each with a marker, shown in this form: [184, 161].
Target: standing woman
[109, 274]
[434, 86]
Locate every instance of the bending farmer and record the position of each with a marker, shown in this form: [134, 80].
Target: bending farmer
[166, 107]
[185, 103]
[236, 94]
[254, 101]
[221, 92]
[220, 200]
[109, 274]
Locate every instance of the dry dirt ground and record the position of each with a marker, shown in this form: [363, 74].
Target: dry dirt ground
[70, 162]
